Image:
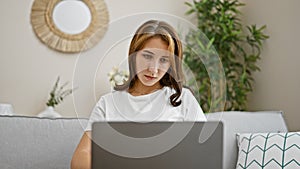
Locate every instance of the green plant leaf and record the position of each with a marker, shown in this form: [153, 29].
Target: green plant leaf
[57, 94]
[238, 50]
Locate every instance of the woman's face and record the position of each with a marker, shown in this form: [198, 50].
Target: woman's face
[152, 62]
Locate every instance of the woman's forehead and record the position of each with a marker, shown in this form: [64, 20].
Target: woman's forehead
[157, 43]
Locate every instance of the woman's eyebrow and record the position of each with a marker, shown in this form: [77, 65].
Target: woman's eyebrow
[147, 51]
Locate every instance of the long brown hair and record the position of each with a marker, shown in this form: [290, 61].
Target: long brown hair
[174, 77]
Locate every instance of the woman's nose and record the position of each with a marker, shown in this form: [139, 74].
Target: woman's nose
[153, 67]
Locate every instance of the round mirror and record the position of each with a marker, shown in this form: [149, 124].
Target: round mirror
[72, 17]
[69, 25]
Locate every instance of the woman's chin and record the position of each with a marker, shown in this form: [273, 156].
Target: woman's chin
[149, 83]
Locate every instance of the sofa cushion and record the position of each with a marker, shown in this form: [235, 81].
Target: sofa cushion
[269, 150]
[245, 122]
[38, 143]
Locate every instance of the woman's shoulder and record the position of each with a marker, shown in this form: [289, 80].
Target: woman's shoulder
[187, 92]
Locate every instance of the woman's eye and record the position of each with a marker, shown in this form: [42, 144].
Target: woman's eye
[164, 60]
[146, 56]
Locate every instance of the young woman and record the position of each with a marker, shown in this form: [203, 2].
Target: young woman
[154, 91]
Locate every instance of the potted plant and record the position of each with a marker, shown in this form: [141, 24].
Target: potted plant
[57, 95]
[238, 47]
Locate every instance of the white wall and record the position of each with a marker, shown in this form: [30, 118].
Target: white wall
[28, 68]
[277, 85]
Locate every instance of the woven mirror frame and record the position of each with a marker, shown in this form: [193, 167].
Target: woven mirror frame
[49, 34]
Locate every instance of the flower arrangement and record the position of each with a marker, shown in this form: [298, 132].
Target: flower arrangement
[58, 94]
[117, 77]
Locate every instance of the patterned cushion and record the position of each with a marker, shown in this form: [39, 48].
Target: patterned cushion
[269, 150]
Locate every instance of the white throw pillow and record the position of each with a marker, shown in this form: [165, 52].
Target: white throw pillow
[269, 150]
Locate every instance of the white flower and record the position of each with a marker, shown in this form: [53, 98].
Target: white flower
[117, 77]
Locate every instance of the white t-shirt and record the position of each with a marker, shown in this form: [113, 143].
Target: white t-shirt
[156, 106]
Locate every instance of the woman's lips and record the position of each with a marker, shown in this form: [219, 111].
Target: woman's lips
[149, 77]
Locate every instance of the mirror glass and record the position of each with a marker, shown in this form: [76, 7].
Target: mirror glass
[72, 16]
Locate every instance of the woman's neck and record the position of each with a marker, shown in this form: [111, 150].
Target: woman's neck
[139, 89]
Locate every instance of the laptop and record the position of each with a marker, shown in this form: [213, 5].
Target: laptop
[159, 145]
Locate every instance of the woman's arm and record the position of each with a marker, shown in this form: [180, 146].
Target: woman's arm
[82, 156]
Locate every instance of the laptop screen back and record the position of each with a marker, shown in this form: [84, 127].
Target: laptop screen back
[159, 145]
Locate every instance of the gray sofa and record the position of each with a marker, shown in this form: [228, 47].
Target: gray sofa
[42, 143]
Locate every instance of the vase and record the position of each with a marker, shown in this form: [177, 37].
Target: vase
[49, 112]
[6, 109]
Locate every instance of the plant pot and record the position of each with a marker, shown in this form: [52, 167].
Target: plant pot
[6, 109]
[49, 112]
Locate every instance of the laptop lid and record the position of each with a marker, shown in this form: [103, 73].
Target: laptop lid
[159, 145]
